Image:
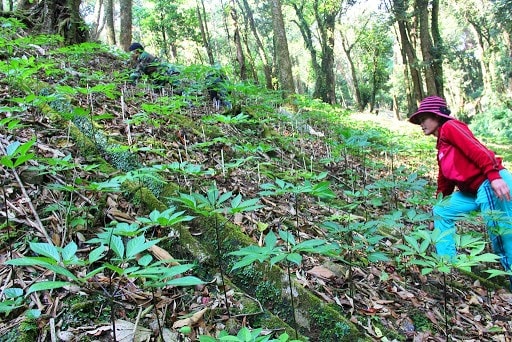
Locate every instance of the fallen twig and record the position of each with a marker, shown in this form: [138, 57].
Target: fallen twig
[39, 225]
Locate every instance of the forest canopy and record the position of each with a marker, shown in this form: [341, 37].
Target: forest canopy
[367, 55]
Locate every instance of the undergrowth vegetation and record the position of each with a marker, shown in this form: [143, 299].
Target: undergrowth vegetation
[132, 212]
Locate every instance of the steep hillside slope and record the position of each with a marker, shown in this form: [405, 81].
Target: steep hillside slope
[169, 216]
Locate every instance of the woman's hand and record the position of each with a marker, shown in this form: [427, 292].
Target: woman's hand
[501, 189]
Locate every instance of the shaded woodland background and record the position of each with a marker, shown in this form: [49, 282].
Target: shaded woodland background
[85, 153]
[368, 55]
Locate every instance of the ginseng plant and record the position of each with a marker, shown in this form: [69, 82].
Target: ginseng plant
[212, 206]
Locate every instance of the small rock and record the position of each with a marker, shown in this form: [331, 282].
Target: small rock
[65, 336]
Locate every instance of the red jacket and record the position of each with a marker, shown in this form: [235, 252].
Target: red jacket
[463, 160]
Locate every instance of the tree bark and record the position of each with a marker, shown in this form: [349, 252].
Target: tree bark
[240, 57]
[267, 69]
[437, 52]
[411, 71]
[325, 13]
[307, 35]
[24, 5]
[283, 61]
[426, 47]
[205, 34]
[355, 82]
[125, 30]
[61, 17]
[109, 17]
[97, 26]
[325, 86]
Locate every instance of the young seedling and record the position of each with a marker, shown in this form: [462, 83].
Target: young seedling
[213, 205]
[417, 249]
[275, 253]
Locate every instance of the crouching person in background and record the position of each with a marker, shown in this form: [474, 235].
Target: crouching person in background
[216, 87]
[145, 63]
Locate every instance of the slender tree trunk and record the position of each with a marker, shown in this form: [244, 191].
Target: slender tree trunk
[307, 35]
[375, 81]
[226, 28]
[325, 84]
[508, 77]
[267, 69]
[426, 46]
[396, 109]
[109, 17]
[325, 17]
[483, 44]
[357, 93]
[437, 63]
[283, 60]
[240, 57]
[163, 32]
[205, 35]
[97, 26]
[125, 30]
[409, 57]
[251, 66]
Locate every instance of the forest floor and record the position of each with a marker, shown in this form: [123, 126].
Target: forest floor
[377, 297]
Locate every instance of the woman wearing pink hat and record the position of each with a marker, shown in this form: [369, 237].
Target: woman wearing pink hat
[482, 181]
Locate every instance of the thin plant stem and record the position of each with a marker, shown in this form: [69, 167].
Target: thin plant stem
[221, 269]
[160, 328]
[445, 293]
[290, 286]
[292, 302]
[8, 225]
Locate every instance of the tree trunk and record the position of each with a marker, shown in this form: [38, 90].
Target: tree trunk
[483, 44]
[307, 35]
[240, 57]
[283, 61]
[125, 30]
[355, 81]
[437, 63]
[325, 14]
[426, 47]
[267, 69]
[409, 57]
[24, 5]
[375, 81]
[61, 17]
[205, 34]
[325, 84]
[508, 76]
[163, 32]
[109, 17]
[97, 26]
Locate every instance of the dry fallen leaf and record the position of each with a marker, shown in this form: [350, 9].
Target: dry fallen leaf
[128, 332]
[162, 254]
[322, 272]
[190, 321]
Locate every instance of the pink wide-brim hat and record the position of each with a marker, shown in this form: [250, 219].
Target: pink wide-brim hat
[434, 105]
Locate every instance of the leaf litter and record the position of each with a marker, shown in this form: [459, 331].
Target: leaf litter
[406, 302]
